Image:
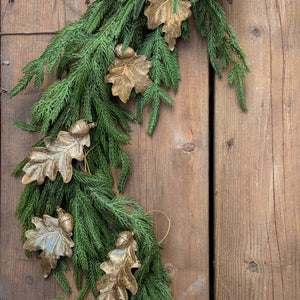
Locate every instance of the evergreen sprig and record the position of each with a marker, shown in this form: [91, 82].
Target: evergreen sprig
[62, 280]
[222, 44]
[165, 71]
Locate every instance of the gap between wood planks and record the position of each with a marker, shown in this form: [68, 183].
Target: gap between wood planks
[2, 90]
[211, 180]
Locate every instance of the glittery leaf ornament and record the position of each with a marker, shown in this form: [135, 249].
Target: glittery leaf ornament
[57, 157]
[53, 236]
[129, 71]
[118, 277]
[161, 12]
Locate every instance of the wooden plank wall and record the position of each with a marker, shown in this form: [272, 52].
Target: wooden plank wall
[170, 169]
[170, 173]
[257, 159]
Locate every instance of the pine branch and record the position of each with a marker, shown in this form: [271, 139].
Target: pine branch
[222, 44]
[165, 71]
[138, 7]
[83, 291]
[62, 280]
[19, 169]
[27, 127]
[63, 264]
[175, 6]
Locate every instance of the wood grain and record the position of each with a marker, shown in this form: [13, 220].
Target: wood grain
[27, 16]
[170, 173]
[170, 169]
[257, 208]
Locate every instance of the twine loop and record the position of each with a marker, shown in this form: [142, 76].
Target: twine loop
[169, 221]
[86, 164]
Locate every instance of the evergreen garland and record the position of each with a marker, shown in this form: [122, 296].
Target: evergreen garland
[83, 52]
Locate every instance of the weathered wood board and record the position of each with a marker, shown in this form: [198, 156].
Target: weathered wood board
[170, 173]
[170, 169]
[257, 159]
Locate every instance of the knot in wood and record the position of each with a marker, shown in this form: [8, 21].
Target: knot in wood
[169, 268]
[256, 32]
[230, 143]
[253, 267]
[188, 147]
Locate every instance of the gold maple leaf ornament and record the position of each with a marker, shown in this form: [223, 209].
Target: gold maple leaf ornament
[129, 71]
[53, 236]
[57, 157]
[161, 12]
[118, 277]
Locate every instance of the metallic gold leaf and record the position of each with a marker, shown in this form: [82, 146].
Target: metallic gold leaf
[50, 236]
[130, 71]
[118, 277]
[57, 157]
[161, 12]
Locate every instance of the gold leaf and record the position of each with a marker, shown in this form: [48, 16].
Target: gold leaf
[118, 277]
[130, 71]
[51, 237]
[57, 157]
[161, 12]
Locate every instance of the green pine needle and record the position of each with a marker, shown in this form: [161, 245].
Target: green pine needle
[62, 280]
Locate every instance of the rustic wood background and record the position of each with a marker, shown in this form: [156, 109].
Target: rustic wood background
[255, 242]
